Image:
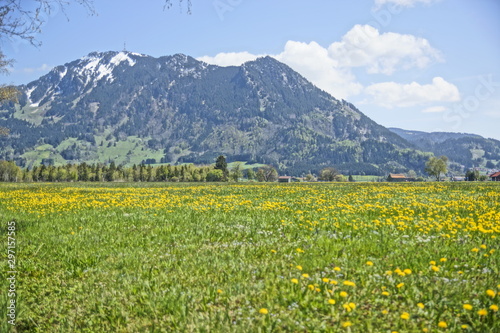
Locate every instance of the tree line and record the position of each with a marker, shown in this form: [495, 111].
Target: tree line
[83, 172]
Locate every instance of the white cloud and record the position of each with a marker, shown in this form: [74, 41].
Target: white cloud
[402, 3]
[435, 109]
[392, 94]
[313, 62]
[42, 68]
[330, 68]
[364, 46]
[230, 58]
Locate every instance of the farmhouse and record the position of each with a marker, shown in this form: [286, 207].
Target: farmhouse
[397, 177]
[495, 177]
[284, 179]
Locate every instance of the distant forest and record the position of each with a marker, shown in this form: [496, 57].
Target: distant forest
[10, 172]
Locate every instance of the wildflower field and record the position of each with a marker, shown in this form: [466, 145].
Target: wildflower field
[306, 257]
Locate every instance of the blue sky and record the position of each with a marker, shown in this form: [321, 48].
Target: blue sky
[430, 65]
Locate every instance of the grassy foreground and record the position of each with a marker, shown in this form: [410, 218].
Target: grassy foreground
[367, 257]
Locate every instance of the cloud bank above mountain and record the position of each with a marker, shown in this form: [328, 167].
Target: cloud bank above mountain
[363, 47]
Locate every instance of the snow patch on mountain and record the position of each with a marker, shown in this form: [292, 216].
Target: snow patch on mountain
[28, 94]
[121, 57]
[63, 73]
[99, 68]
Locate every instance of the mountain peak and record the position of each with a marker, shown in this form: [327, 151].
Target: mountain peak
[178, 109]
[267, 62]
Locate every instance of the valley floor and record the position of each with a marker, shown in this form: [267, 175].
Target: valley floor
[301, 257]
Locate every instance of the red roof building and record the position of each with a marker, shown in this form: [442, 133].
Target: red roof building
[396, 177]
[495, 177]
[284, 179]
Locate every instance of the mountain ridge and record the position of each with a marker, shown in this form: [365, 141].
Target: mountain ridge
[129, 107]
[464, 149]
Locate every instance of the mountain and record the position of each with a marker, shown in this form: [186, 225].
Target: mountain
[467, 150]
[129, 108]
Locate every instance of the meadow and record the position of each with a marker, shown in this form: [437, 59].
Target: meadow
[305, 257]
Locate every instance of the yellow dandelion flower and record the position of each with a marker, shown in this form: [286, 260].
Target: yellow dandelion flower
[337, 269]
[352, 305]
[325, 280]
[343, 294]
[467, 307]
[482, 312]
[311, 287]
[432, 263]
[442, 324]
[443, 259]
[333, 282]
[464, 327]
[435, 268]
[346, 324]
[295, 281]
[407, 271]
[475, 249]
[349, 283]
[299, 250]
[317, 290]
[305, 276]
[298, 267]
[421, 305]
[384, 312]
[405, 316]
[494, 307]
[369, 263]
[219, 291]
[388, 272]
[273, 251]
[400, 285]
[331, 301]
[483, 246]
[72, 232]
[263, 311]
[490, 293]
[385, 293]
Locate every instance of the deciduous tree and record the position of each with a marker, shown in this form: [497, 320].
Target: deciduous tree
[437, 166]
[236, 172]
[267, 174]
[329, 174]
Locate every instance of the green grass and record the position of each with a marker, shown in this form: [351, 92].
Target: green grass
[368, 178]
[244, 165]
[209, 257]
